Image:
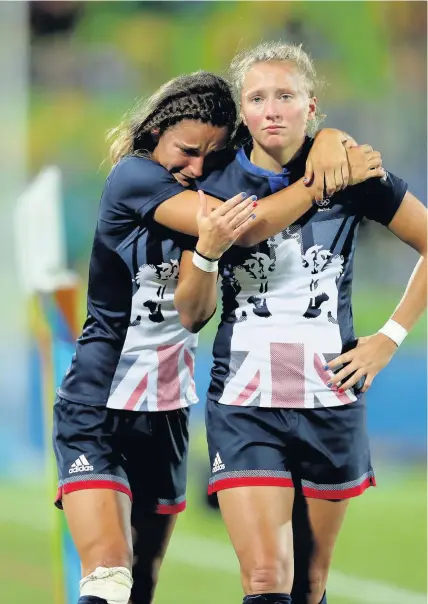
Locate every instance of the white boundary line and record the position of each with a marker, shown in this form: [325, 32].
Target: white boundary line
[210, 554]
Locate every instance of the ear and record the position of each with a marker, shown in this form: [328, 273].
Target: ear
[242, 118]
[155, 134]
[313, 101]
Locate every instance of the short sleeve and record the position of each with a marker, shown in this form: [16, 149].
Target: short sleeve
[380, 198]
[135, 187]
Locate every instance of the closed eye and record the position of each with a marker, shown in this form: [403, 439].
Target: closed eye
[189, 152]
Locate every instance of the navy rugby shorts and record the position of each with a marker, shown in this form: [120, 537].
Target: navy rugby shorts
[142, 454]
[323, 452]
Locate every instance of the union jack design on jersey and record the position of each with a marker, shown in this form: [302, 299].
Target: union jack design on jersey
[283, 300]
[156, 368]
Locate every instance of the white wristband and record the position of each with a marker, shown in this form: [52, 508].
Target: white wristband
[394, 331]
[208, 266]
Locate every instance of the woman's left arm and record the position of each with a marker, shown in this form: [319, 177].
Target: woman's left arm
[374, 352]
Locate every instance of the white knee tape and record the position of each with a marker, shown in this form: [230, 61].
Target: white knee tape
[113, 584]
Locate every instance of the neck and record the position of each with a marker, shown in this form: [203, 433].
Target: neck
[274, 160]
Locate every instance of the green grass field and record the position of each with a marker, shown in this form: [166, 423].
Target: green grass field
[384, 540]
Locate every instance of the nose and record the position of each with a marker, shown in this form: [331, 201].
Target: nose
[272, 110]
[196, 166]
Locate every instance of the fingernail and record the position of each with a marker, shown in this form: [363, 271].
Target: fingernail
[330, 384]
[253, 197]
[326, 367]
[255, 204]
[340, 390]
[253, 216]
[244, 195]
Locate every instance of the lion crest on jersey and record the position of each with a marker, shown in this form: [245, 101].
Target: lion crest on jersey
[259, 265]
[151, 293]
[167, 270]
[164, 271]
[323, 291]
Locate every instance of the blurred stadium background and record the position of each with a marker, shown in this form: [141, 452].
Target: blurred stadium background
[69, 71]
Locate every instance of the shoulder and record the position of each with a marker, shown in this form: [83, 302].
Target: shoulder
[219, 174]
[134, 173]
[380, 198]
[136, 186]
[217, 163]
[389, 186]
[230, 176]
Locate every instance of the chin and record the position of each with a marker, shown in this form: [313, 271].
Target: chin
[277, 142]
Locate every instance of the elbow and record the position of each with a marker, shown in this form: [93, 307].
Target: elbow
[192, 325]
[193, 317]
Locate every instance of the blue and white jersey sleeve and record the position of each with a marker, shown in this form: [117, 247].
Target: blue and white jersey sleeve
[135, 187]
[381, 198]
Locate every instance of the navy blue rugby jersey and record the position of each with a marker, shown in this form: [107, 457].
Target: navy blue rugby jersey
[287, 301]
[133, 352]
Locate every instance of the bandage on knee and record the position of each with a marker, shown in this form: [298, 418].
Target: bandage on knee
[113, 584]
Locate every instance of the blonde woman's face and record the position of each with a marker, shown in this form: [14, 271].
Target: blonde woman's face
[275, 105]
[183, 148]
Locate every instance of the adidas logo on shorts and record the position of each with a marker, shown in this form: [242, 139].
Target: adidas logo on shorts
[80, 465]
[218, 464]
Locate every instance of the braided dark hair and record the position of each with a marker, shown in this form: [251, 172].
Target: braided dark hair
[200, 96]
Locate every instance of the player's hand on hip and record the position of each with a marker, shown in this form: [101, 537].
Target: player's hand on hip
[220, 228]
[364, 163]
[327, 167]
[371, 355]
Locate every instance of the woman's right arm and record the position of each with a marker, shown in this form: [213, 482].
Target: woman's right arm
[275, 212]
[137, 186]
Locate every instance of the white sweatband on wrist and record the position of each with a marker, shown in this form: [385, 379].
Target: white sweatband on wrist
[205, 264]
[394, 331]
[112, 584]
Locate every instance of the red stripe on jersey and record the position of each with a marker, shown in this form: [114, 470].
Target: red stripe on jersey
[325, 377]
[340, 493]
[170, 509]
[250, 481]
[288, 375]
[249, 389]
[137, 394]
[169, 393]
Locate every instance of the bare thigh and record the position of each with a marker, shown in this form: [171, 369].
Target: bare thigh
[151, 535]
[258, 519]
[100, 525]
